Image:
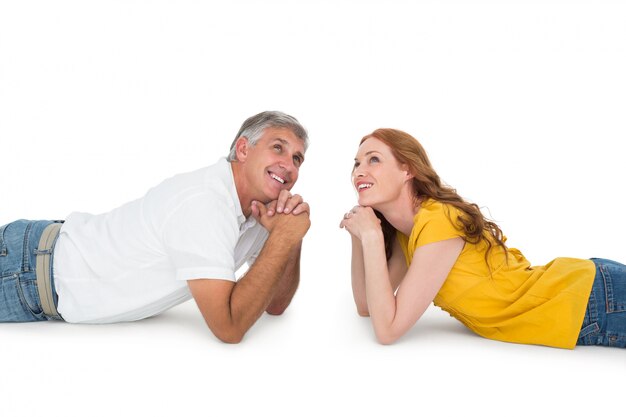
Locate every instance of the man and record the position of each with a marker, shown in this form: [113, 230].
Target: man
[186, 237]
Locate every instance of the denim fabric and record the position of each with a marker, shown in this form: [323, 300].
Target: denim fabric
[605, 318]
[19, 296]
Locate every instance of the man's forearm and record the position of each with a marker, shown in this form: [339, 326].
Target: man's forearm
[230, 309]
[254, 292]
[288, 283]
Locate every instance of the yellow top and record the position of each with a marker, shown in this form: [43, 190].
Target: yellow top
[512, 302]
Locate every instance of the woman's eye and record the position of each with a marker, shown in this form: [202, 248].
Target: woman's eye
[374, 159]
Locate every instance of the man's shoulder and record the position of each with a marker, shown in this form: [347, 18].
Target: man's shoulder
[211, 179]
[202, 190]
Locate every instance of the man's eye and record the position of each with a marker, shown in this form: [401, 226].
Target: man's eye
[278, 147]
[297, 160]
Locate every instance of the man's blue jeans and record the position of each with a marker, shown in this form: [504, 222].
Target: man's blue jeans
[19, 296]
[605, 318]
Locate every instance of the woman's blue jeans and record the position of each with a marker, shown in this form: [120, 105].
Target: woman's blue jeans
[19, 296]
[605, 318]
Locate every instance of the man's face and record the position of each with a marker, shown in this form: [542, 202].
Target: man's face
[273, 163]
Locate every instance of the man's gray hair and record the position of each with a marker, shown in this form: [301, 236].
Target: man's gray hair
[254, 126]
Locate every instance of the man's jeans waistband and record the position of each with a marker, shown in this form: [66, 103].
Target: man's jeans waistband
[43, 269]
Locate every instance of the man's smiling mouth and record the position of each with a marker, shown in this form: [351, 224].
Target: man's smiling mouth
[277, 178]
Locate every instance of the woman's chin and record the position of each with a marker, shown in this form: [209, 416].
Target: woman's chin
[365, 202]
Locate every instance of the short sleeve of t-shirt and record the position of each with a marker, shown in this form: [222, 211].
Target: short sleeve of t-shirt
[434, 222]
[200, 237]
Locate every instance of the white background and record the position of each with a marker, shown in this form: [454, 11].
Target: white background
[520, 105]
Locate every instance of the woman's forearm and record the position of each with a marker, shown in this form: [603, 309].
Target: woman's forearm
[358, 278]
[379, 292]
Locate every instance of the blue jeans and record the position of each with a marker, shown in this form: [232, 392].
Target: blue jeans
[19, 296]
[605, 318]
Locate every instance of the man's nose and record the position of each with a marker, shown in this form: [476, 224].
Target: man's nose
[286, 162]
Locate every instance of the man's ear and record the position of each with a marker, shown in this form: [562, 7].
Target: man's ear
[241, 148]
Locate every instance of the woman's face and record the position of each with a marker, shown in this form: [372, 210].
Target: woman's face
[377, 176]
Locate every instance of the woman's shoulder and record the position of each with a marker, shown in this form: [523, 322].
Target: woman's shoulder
[433, 222]
[433, 209]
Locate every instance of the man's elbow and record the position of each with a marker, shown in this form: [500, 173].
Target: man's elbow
[230, 338]
[277, 307]
[229, 335]
[275, 311]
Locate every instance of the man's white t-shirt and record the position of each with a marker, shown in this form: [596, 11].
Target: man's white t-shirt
[134, 262]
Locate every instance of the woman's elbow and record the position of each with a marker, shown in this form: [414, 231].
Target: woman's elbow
[386, 338]
[361, 308]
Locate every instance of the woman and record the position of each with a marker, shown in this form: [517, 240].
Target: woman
[416, 241]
